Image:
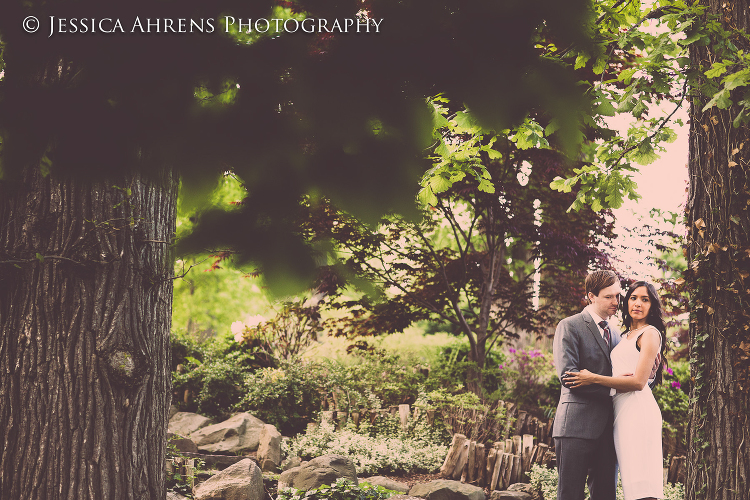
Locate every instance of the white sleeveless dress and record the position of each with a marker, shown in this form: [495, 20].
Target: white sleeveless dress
[637, 429]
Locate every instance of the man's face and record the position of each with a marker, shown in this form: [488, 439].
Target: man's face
[605, 304]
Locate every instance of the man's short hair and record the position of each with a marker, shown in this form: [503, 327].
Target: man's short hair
[599, 279]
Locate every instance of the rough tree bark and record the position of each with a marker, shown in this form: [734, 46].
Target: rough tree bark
[85, 311]
[719, 260]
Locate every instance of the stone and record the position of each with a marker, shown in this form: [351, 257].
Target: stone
[403, 497]
[181, 444]
[184, 423]
[291, 463]
[319, 471]
[444, 489]
[172, 411]
[241, 481]
[510, 495]
[239, 434]
[526, 488]
[171, 495]
[387, 483]
[269, 449]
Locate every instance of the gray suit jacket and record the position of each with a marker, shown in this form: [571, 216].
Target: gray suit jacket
[585, 411]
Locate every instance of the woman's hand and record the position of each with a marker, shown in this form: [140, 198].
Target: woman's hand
[579, 379]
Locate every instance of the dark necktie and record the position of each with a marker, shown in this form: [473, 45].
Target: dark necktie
[607, 333]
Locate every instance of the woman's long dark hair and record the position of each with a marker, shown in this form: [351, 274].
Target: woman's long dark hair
[654, 318]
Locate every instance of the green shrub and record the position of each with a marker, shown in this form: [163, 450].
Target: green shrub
[371, 455]
[545, 480]
[288, 397]
[342, 489]
[529, 378]
[450, 369]
[462, 413]
[208, 377]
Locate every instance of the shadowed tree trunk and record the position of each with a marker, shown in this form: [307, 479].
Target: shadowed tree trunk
[719, 261]
[85, 305]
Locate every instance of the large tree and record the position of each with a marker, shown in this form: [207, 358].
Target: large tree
[97, 126]
[719, 260]
[496, 253]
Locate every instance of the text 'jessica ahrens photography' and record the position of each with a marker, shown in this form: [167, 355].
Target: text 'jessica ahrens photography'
[77, 26]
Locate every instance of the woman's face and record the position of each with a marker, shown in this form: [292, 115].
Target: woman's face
[639, 303]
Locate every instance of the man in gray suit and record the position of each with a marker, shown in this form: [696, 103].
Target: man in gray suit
[584, 443]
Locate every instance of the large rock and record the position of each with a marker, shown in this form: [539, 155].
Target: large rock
[171, 495]
[510, 495]
[185, 423]
[269, 449]
[319, 471]
[387, 483]
[526, 488]
[444, 489]
[241, 481]
[181, 444]
[239, 434]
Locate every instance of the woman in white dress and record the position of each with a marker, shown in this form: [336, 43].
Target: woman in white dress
[637, 362]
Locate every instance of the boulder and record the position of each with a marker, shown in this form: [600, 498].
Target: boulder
[526, 488]
[239, 434]
[319, 471]
[291, 463]
[171, 495]
[444, 489]
[181, 444]
[269, 449]
[241, 481]
[510, 495]
[185, 423]
[172, 412]
[387, 483]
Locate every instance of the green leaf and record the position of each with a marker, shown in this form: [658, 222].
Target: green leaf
[427, 197]
[40, 257]
[717, 69]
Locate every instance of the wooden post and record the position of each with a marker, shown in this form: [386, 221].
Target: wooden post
[463, 458]
[521, 422]
[373, 415]
[508, 445]
[430, 417]
[355, 418]
[403, 414]
[189, 471]
[453, 455]
[508, 471]
[494, 455]
[481, 465]
[510, 412]
[393, 409]
[517, 445]
[528, 448]
[471, 465]
[538, 457]
[496, 477]
[515, 476]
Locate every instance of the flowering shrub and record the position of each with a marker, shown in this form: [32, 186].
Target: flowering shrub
[672, 397]
[527, 374]
[370, 455]
[342, 489]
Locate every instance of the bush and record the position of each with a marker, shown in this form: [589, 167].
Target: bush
[545, 480]
[288, 397]
[208, 378]
[450, 371]
[529, 378]
[342, 489]
[672, 397]
[463, 414]
[370, 455]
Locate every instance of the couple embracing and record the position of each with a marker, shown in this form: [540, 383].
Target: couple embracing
[607, 416]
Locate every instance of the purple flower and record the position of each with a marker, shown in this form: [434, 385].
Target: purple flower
[669, 370]
[676, 385]
[512, 351]
[501, 366]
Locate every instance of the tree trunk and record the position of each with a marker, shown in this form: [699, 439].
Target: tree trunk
[85, 312]
[719, 259]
